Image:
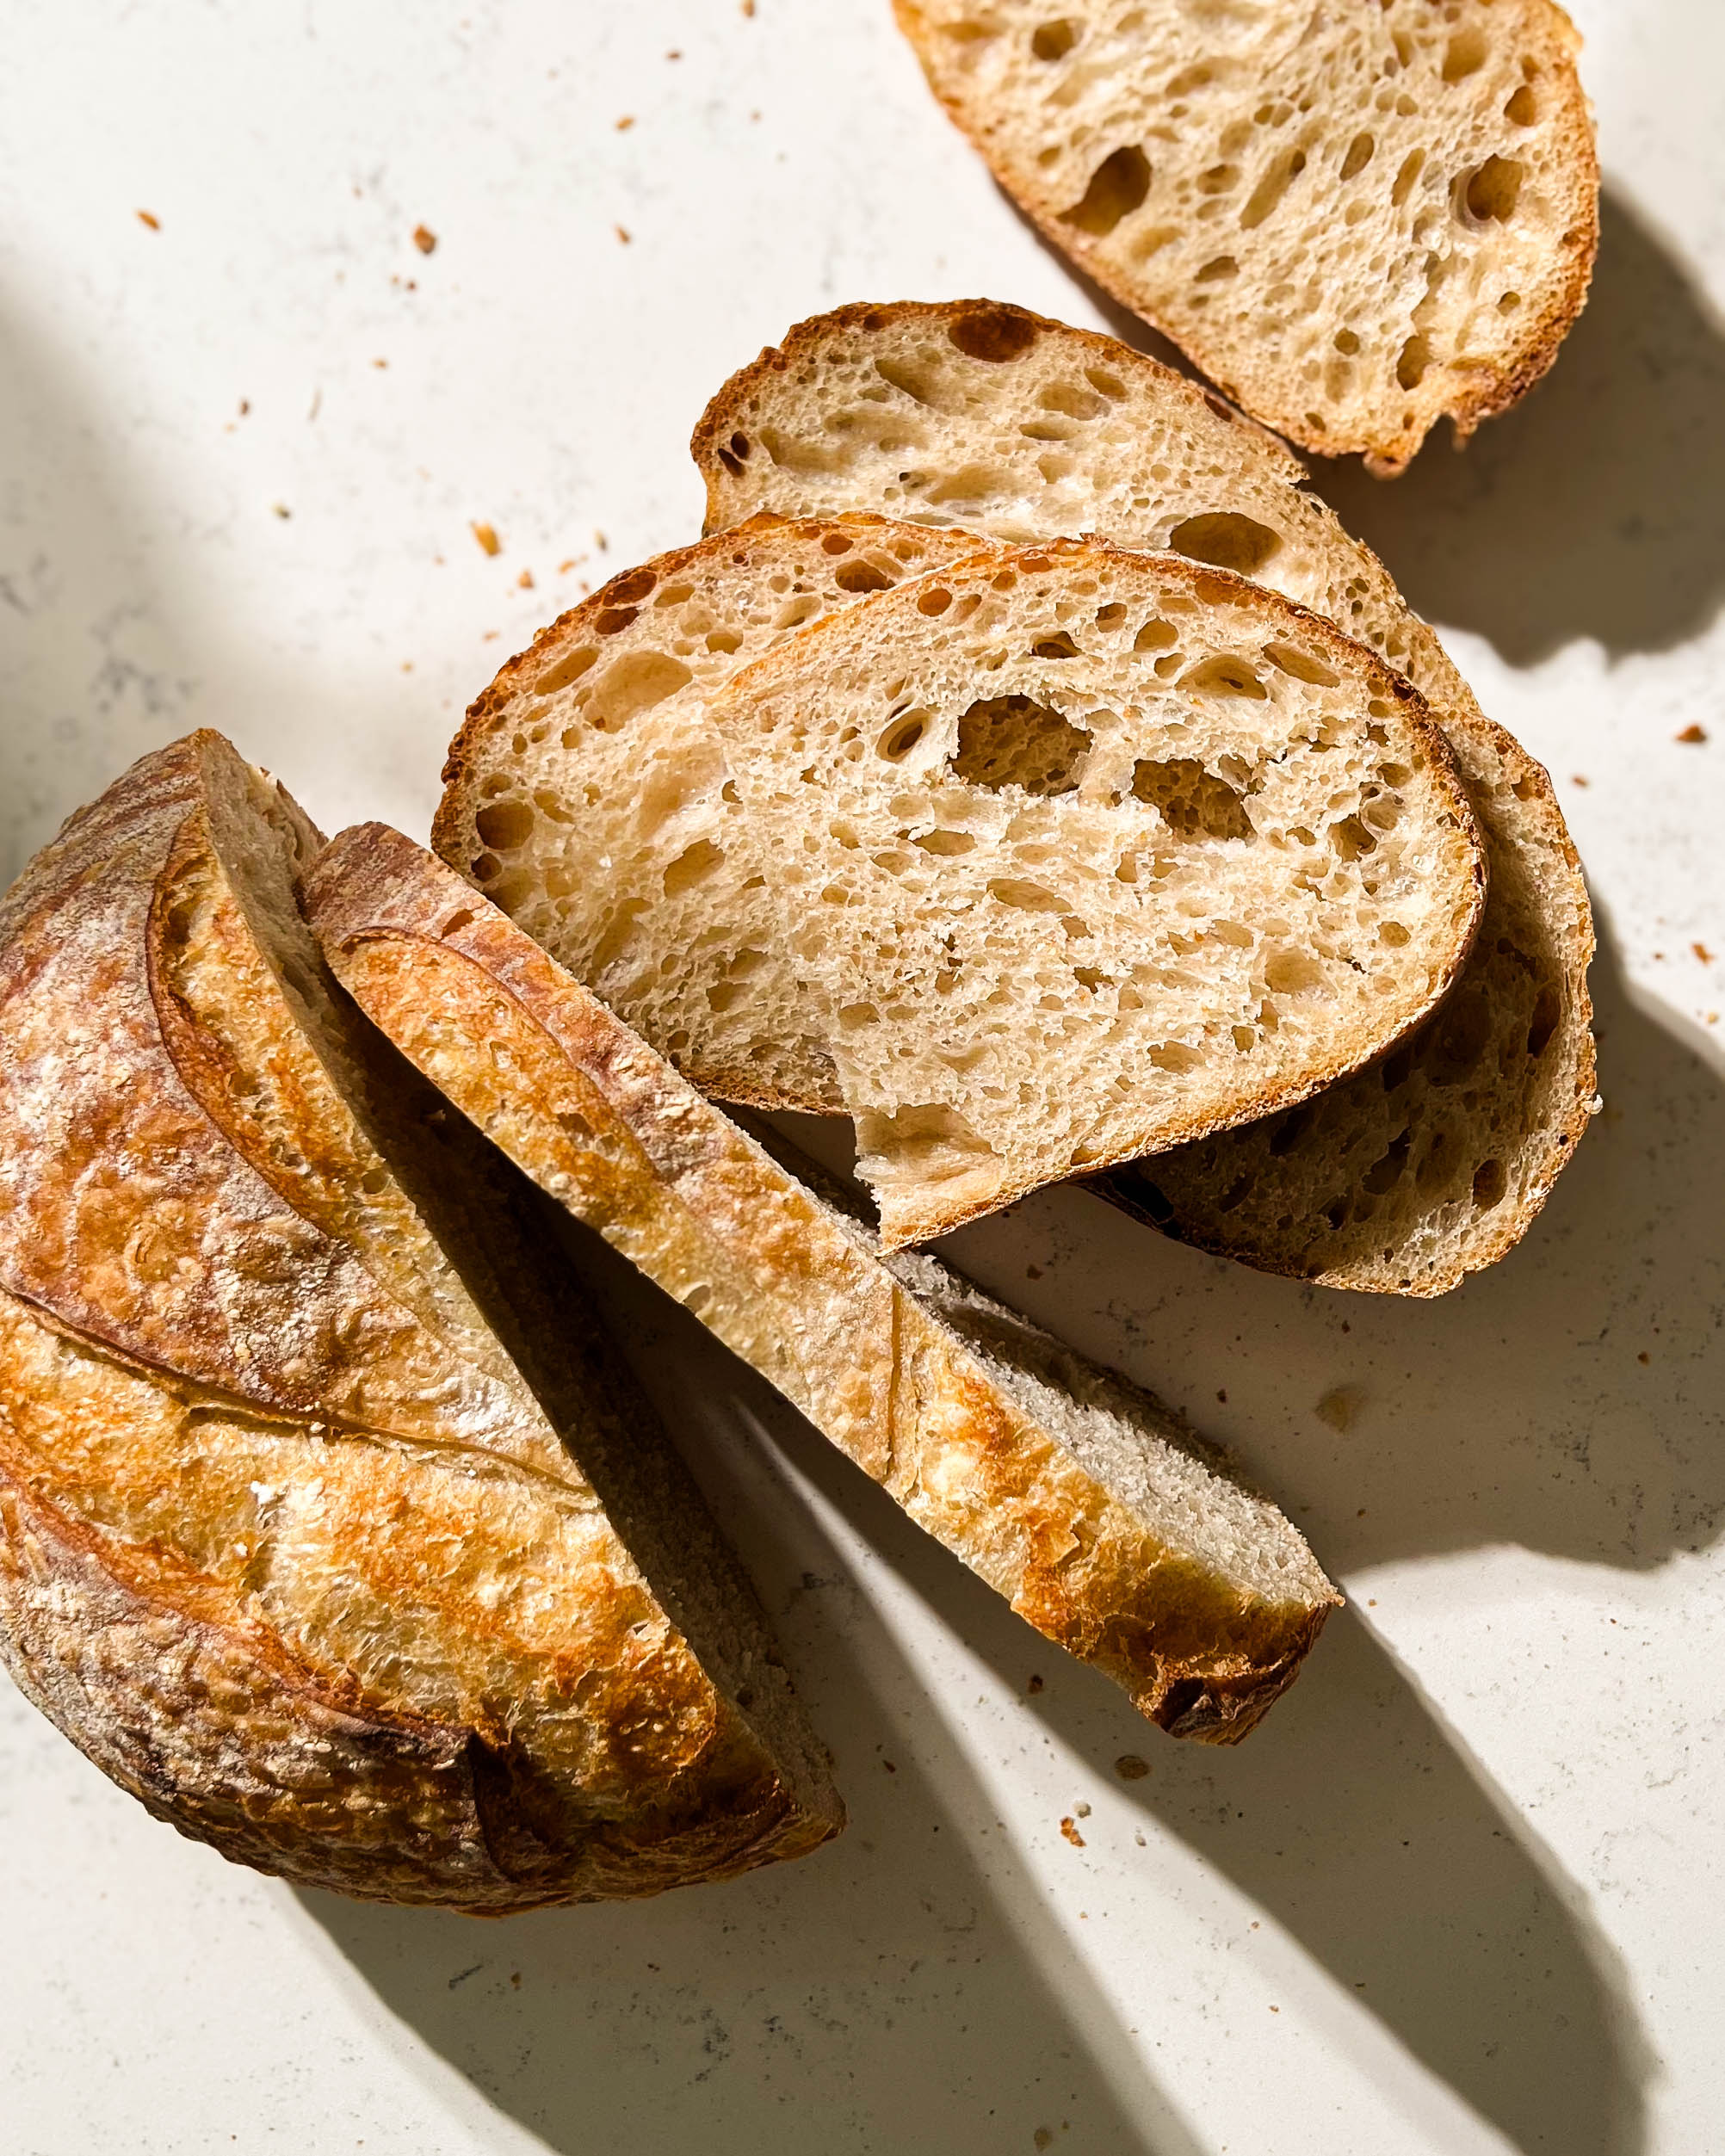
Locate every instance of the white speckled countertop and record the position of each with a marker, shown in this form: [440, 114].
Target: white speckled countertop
[1463, 1892]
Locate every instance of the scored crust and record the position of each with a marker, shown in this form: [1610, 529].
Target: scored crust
[292, 1548]
[945, 412]
[1356, 220]
[907, 1370]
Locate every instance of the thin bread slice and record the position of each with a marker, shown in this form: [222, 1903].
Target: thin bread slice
[1355, 219]
[1411, 1175]
[1049, 858]
[330, 1525]
[1091, 1507]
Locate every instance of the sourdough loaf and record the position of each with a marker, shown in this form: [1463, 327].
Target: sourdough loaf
[1415, 1173]
[1355, 219]
[330, 1526]
[1084, 1502]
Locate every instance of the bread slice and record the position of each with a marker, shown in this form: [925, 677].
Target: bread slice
[1047, 859]
[1088, 1505]
[329, 1525]
[1413, 1174]
[1354, 218]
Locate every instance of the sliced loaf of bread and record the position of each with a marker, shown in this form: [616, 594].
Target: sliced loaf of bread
[1088, 1505]
[332, 1527]
[1412, 1175]
[1355, 219]
[1049, 858]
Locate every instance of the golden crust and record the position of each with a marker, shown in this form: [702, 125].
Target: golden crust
[295, 1561]
[609, 1129]
[1467, 394]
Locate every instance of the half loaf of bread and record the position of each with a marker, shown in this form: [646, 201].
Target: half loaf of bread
[1084, 1502]
[1355, 218]
[1416, 1172]
[1048, 859]
[329, 1527]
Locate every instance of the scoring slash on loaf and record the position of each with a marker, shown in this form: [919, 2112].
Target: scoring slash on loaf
[1047, 859]
[329, 1526]
[1084, 1501]
[1355, 219]
[1419, 1170]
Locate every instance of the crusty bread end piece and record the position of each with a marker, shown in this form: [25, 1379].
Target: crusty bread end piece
[329, 1527]
[1355, 219]
[1086, 1503]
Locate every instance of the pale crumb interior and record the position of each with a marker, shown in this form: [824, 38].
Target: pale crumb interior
[1351, 214]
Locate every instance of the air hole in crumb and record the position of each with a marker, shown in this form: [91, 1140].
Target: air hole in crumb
[1359, 156]
[834, 543]
[631, 685]
[946, 842]
[1193, 802]
[1057, 647]
[1105, 384]
[1464, 55]
[1411, 165]
[1270, 190]
[1154, 636]
[1214, 271]
[569, 668]
[1291, 972]
[1509, 303]
[1523, 108]
[1490, 1183]
[1416, 357]
[1117, 187]
[902, 736]
[1013, 741]
[1350, 840]
[1225, 540]
[1053, 41]
[1346, 341]
[505, 825]
[1224, 673]
[1494, 190]
[936, 601]
[862, 576]
[1544, 1023]
[692, 865]
[1290, 659]
[993, 333]
[460, 921]
[1392, 933]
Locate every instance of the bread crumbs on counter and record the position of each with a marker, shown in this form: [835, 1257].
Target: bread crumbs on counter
[281, 509]
[150, 218]
[379, 362]
[601, 542]
[524, 581]
[1702, 952]
[625, 123]
[424, 238]
[573, 562]
[1340, 1405]
[1070, 1830]
[1577, 778]
[749, 8]
[622, 232]
[1034, 1686]
[487, 537]
[1131, 1767]
[1688, 733]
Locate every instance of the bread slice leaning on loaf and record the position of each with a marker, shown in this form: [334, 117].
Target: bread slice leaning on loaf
[1355, 218]
[330, 1526]
[1417, 1172]
[1093, 1509]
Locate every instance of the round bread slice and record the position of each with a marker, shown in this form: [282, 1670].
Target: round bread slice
[1354, 217]
[1091, 1506]
[1049, 858]
[329, 1527]
[1413, 1174]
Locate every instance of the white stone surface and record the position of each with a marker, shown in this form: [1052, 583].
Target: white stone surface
[1463, 1892]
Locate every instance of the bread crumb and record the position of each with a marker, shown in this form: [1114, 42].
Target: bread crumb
[625, 123]
[888, 1765]
[1070, 1831]
[1130, 1767]
[150, 218]
[490, 636]
[1222, 1396]
[245, 406]
[281, 509]
[1692, 733]
[525, 580]
[1140, 1841]
[564, 567]
[407, 666]
[514, 1977]
[487, 537]
[1033, 1272]
[1082, 1810]
[749, 9]
[1340, 1405]
[1043, 2137]
[601, 542]
[1644, 1356]
[675, 54]
[424, 238]
[379, 362]
[1702, 952]
[622, 232]
[1034, 1686]
[1577, 778]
